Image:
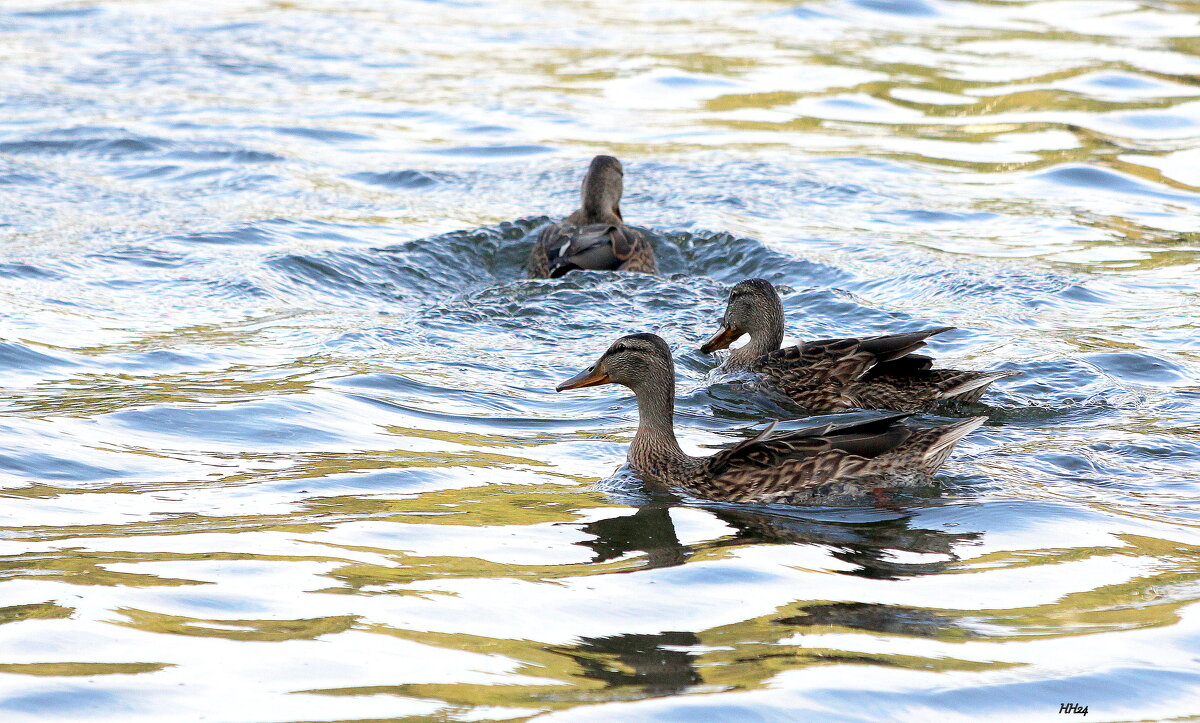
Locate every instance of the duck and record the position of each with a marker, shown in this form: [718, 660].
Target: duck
[833, 375]
[840, 460]
[595, 236]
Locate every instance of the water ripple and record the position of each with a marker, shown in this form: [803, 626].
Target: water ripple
[279, 400]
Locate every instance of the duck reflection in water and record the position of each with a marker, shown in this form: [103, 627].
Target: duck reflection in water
[649, 530]
[877, 618]
[674, 661]
[671, 662]
[868, 545]
[653, 663]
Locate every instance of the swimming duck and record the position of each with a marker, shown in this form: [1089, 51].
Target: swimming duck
[874, 372]
[803, 465]
[595, 236]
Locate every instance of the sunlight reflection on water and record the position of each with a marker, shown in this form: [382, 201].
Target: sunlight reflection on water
[280, 438]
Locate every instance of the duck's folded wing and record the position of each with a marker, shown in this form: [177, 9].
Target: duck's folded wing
[842, 361]
[569, 247]
[539, 259]
[863, 438]
[913, 366]
[564, 247]
[897, 346]
[828, 363]
[633, 250]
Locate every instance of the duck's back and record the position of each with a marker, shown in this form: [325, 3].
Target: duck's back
[915, 385]
[567, 246]
[879, 372]
[848, 459]
[798, 463]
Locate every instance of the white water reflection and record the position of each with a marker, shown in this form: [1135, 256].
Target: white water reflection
[280, 438]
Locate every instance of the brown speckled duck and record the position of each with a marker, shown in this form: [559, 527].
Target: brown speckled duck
[874, 372]
[804, 465]
[594, 237]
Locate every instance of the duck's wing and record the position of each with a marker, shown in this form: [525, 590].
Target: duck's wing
[896, 348]
[633, 250]
[539, 259]
[570, 246]
[913, 366]
[911, 382]
[767, 465]
[838, 362]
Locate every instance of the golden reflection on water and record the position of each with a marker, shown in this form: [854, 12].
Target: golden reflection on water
[265, 460]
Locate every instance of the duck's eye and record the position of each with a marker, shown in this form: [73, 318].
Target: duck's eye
[619, 348]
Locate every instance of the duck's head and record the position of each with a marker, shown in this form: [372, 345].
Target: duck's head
[602, 187]
[631, 361]
[754, 308]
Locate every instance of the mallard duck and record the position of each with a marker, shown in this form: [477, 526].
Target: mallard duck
[803, 465]
[594, 237]
[874, 372]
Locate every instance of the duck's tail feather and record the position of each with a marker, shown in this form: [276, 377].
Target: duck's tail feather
[945, 439]
[971, 385]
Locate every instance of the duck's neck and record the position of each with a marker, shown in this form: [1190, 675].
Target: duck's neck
[600, 213]
[763, 340]
[601, 199]
[655, 451]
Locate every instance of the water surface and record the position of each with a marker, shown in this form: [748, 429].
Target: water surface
[279, 435]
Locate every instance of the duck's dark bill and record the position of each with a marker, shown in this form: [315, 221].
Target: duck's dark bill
[720, 340]
[587, 378]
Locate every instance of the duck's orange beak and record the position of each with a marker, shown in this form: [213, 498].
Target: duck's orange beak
[587, 378]
[721, 340]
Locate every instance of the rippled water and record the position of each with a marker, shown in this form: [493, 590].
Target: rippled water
[280, 441]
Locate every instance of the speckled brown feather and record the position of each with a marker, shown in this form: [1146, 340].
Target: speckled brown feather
[634, 250]
[836, 374]
[563, 247]
[916, 391]
[539, 263]
[808, 465]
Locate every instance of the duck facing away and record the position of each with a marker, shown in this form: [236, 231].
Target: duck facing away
[874, 372]
[803, 465]
[594, 237]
